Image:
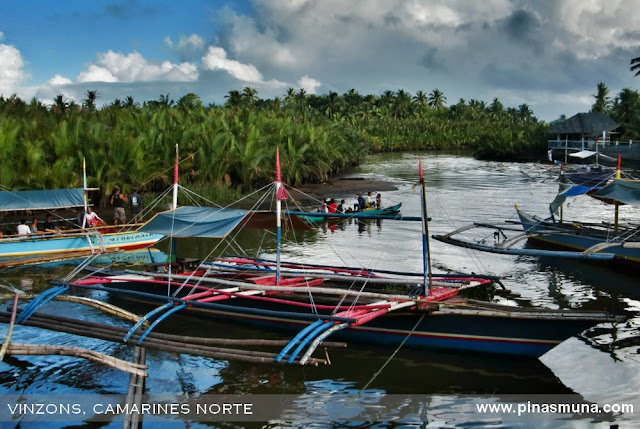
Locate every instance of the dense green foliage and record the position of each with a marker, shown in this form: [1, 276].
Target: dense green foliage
[624, 109]
[230, 149]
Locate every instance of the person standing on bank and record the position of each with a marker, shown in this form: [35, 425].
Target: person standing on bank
[135, 202]
[117, 200]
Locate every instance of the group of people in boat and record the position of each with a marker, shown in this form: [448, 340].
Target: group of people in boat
[47, 227]
[329, 205]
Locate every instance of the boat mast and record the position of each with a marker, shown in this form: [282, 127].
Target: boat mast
[175, 182]
[84, 184]
[426, 254]
[617, 205]
[281, 194]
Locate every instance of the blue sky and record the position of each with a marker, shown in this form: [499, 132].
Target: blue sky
[547, 54]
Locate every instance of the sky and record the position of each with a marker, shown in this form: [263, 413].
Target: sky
[549, 54]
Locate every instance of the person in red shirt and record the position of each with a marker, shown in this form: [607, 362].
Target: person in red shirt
[332, 205]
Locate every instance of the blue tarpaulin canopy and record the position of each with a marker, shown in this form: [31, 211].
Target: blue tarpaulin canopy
[620, 191]
[187, 221]
[41, 200]
[576, 190]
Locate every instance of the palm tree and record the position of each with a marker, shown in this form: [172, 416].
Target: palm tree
[332, 103]
[250, 95]
[496, 106]
[402, 105]
[626, 106]
[130, 103]
[165, 101]
[59, 104]
[420, 98]
[437, 99]
[90, 101]
[603, 101]
[524, 112]
[301, 98]
[290, 98]
[635, 65]
[234, 98]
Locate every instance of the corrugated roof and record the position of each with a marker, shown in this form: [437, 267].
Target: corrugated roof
[590, 124]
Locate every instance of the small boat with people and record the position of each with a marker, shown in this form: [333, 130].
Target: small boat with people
[425, 310]
[391, 212]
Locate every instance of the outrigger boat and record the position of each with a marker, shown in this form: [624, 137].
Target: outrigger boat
[420, 309]
[67, 242]
[592, 241]
[391, 212]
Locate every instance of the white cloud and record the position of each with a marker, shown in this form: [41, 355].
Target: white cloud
[596, 27]
[216, 59]
[12, 72]
[185, 43]
[187, 47]
[309, 84]
[116, 67]
[59, 80]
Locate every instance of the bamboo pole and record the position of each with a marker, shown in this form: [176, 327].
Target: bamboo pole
[12, 322]
[44, 349]
[177, 338]
[100, 305]
[135, 391]
[82, 328]
[104, 306]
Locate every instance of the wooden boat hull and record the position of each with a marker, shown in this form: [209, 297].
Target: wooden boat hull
[39, 245]
[568, 236]
[510, 331]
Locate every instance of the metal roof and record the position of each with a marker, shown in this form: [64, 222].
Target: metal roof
[590, 124]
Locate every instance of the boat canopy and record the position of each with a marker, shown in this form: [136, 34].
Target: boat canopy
[583, 154]
[620, 191]
[568, 190]
[188, 221]
[41, 200]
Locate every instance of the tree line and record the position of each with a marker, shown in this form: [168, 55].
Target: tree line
[230, 149]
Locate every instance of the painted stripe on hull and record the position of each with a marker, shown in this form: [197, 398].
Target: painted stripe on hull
[53, 245]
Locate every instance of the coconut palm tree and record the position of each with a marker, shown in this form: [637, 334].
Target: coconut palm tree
[496, 107]
[290, 97]
[626, 106]
[59, 104]
[603, 101]
[524, 112]
[249, 95]
[234, 99]
[90, 101]
[635, 65]
[437, 99]
[420, 98]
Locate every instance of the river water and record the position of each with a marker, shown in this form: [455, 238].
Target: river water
[444, 388]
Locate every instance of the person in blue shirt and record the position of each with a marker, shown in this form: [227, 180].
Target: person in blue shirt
[135, 202]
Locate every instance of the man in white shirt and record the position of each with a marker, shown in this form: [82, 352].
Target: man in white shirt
[90, 218]
[23, 228]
